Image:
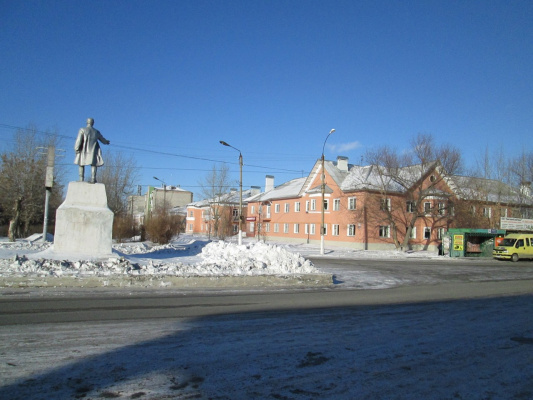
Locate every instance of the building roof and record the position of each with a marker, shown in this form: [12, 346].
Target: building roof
[232, 197]
[286, 190]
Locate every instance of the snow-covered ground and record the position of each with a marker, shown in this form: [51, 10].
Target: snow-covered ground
[469, 349]
[185, 257]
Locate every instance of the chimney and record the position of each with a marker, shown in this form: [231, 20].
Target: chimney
[269, 183]
[255, 190]
[342, 163]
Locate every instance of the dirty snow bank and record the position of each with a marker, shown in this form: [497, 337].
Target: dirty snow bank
[215, 259]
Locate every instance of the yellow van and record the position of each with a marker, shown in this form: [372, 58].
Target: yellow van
[514, 247]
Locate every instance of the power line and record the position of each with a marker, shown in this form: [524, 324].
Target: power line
[155, 151]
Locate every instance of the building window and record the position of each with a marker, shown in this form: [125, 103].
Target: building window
[326, 204]
[307, 229]
[313, 204]
[352, 203]
[351, 230]
[190, 226]
[440, 233]
[487, 212]
[413, 233]
[268, 212]
[267, 227]
[276, 208]
[307, 205]
[335, 230]
[276, 227]
[385, 204]
[442, 208]
[410, 206]
[427, 232]
[191, 213]
[287, 207]
[427, 207]
[285, 228]
[325, 229]
[503, 212]
[473, 210]
[296, 228]
[235, 229]
[312, 229]
[251, 227]
[235, 213]
[336, 204]
[384, 231]
[297, 206]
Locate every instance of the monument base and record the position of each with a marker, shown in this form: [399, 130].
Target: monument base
[84, 223]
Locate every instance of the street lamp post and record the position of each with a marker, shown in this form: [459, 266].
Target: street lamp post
[323, 190]
[164, 191]
[240, 188]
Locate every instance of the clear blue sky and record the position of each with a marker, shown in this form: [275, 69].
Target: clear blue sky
[172, 78]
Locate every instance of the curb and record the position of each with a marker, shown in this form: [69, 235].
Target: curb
[174, 282]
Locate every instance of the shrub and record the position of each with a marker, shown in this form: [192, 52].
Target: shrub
[162, 227]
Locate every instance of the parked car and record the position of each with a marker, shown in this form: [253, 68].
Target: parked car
[514, 247]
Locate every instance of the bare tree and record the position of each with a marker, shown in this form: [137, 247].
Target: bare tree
[412, 185]
[22, 181]
[213, 189]
[119, 174]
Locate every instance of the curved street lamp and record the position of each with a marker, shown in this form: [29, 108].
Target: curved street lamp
[323, 189]
[240, 190]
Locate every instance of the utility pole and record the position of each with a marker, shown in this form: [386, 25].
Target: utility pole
[48, 183]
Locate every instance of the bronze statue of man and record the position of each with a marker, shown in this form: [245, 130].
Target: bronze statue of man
[88, 150]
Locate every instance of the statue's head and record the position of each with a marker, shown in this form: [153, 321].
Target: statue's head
[90, 122]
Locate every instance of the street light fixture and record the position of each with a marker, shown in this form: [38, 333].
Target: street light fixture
[323, 189]
[240, 191]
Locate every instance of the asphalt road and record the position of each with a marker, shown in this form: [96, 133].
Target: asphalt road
[430, 281]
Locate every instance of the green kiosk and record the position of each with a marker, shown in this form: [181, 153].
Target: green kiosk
[473, 242]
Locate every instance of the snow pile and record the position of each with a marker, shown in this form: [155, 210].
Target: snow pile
[254, 259]
[216, 259]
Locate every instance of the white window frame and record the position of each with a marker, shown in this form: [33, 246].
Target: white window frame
[312, 229]
[267, 226]
[427, 232]
[296, 228]
[352, 203]
[335, 229]
[297, 206]
[385, 204]
[442, 208]
[276, 227]
[268, 212]
[350, 230]
[287, 207]
[413, 233]
[313, 204]
[384, 231]
[276, 208]
[427, 207]
[285, 228]
[306, 205]
[325, 229]
[487, 212]
[253, 210]
[410, 206]
[336, 204]
[326, 204]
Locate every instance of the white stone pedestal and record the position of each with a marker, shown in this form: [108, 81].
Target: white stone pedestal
[84, 223]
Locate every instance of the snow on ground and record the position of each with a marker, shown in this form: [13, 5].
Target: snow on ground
[470, 349]
[192, 258]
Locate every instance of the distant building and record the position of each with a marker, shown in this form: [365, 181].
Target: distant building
[219, 216]
[170, 198]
